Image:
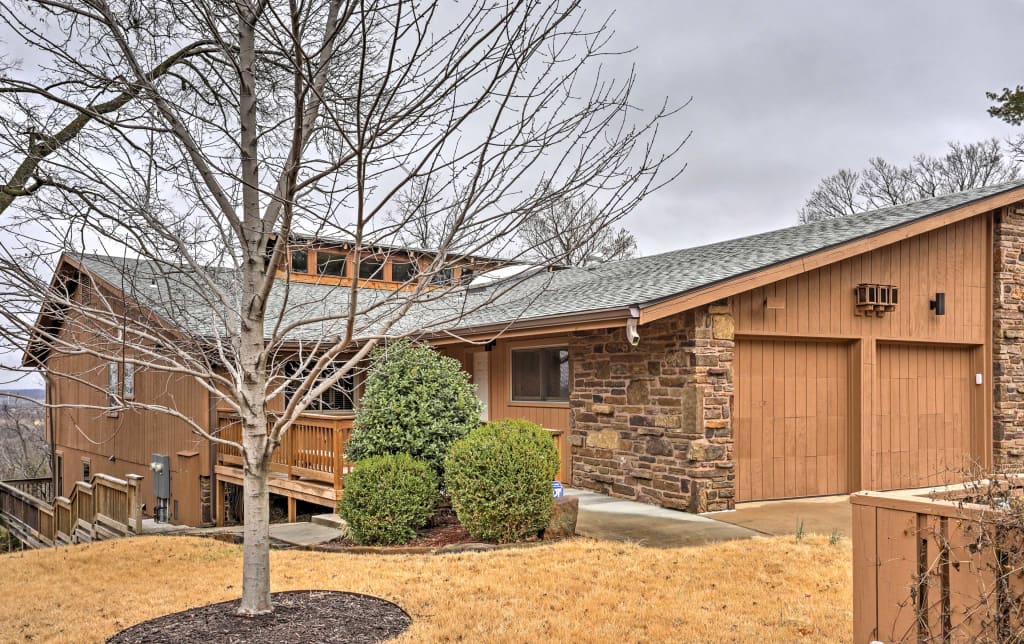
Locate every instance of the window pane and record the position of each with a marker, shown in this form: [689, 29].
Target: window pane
[403, 271]
[526, 375]
[371, 269]
[330, 264]
[442, 277]
[540, 374]
[300, 261]
[556, 374]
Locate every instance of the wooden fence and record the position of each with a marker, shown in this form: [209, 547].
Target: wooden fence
[102, 508]
[931, 566]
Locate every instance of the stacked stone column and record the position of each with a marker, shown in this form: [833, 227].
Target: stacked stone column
[653, 422]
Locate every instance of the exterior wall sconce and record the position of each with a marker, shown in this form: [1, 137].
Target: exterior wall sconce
[938, 304]
[876, 299]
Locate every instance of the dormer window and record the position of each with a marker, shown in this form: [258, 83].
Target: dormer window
[403, 271]
[300, 261]
[443, 277]
[328, 263]
[371, 269]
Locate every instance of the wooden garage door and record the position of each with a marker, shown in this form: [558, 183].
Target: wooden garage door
[923, 418]
[792, 419]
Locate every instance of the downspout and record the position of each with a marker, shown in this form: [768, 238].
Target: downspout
[633, 326]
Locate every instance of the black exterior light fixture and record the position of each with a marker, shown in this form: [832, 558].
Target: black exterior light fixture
[938, 304]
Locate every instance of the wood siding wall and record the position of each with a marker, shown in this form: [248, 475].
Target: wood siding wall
[124, 443]
[553, 415]
[942, 353]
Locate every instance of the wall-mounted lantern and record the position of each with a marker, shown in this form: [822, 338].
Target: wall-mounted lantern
[876, 299]
[938, 304]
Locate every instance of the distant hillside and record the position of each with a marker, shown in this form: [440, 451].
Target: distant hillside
[16, 397]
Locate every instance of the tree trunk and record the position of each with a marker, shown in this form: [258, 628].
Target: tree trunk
[256, 551]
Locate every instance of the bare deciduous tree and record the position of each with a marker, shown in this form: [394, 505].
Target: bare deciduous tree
[24, 453]
[882, 183]
[570, 231]
[285, 118]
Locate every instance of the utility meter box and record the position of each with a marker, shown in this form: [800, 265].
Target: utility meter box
[160, 465]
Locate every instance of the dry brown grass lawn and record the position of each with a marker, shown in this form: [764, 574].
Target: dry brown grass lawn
[581, 590]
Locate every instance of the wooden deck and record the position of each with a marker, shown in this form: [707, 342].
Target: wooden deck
[310, 464]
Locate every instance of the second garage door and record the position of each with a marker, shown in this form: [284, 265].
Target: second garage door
[792, 419]
[923, 415]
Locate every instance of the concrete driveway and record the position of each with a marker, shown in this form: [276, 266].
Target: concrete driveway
[819, 515]
[604, 517]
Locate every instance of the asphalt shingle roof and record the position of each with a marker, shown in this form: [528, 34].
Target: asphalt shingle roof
[640, 281]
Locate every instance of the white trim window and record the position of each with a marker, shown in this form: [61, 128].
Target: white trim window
[129, 381]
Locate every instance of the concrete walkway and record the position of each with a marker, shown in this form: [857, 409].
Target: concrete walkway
[819, 515]
[604, 517]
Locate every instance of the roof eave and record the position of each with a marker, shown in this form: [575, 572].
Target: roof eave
[658, 308]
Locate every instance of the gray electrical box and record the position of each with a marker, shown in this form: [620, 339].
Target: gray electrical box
[161, 468]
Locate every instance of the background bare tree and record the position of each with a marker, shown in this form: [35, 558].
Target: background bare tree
[24, 453]
[881, 184]
[204, 131]
[571, 232]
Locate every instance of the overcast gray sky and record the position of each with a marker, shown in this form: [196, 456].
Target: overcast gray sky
[787, 92]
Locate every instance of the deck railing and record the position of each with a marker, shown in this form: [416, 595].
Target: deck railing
[103, 507]
[313, 448]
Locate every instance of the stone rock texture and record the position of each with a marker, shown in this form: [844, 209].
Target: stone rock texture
[653, 423]
[1008, 336]
[563, 518]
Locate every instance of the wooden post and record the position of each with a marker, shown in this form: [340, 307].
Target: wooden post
[134, 505]
[339, 446]
[218, 502]
[291, 509]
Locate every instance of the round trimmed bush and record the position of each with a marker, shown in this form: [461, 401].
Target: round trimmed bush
[417, 402]
[386, 498]
[499, 479]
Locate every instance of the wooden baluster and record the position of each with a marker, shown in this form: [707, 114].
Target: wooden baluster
[338, 457]
[289, 443]
[134, 505]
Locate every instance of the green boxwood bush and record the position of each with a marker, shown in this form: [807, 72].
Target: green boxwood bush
[417, 402]
[499, 479]
[386, 498]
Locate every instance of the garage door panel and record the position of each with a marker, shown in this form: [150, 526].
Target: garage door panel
[922, 426]
[792, 419]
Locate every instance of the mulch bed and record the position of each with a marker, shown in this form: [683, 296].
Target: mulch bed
[435, 536]
[299, 616]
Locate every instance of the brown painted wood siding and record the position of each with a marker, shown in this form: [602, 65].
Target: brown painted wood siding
[552, 415]
[130, 437]
[792, 419]
[953, 260]
[924, 404]
[940, 354]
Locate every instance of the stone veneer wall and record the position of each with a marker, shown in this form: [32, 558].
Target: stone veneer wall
[1008, 336]
[654, 422]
